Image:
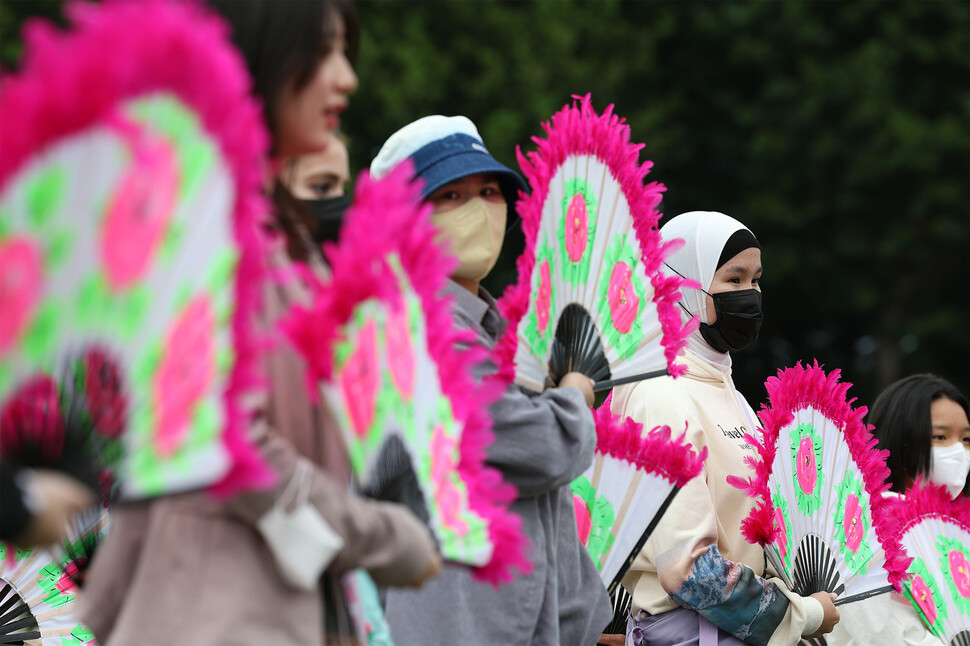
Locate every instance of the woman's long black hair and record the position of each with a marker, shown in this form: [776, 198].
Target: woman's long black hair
[282, 44]
[901, 415]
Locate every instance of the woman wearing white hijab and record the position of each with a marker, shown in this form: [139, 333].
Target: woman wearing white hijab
[697, 580]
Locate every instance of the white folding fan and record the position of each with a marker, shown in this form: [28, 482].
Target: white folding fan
[620, 499]
[130, 252]
[934, 532]
[590, 295]
[819, 481]
[378, 337]
[38, 600]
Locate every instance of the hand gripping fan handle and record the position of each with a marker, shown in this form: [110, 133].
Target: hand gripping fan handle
[609, 384]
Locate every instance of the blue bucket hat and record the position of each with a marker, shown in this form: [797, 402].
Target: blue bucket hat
[444, 149]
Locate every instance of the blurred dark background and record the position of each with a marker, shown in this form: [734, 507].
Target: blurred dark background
[838, 131]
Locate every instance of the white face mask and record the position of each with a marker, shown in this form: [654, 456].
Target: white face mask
[949, 466]
[474, 233]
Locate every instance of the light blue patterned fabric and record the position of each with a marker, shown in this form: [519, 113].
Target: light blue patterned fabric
[733, 597]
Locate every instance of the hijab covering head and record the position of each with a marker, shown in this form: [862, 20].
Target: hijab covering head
[710, 239]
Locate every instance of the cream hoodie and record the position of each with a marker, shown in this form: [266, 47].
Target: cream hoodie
[707, 510]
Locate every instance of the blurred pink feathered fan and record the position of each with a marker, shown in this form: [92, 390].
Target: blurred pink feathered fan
[934, 533]
[378, 337]
[590, 296]
[130, 252]
[819, 482]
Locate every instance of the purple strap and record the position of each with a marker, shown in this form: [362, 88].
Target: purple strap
[708, 632]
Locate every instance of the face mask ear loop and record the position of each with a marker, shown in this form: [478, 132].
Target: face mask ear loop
[682, 306]
[686, 278]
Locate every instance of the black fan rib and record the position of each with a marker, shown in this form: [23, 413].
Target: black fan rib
[815, 568]
[577, 347]
[17, 622]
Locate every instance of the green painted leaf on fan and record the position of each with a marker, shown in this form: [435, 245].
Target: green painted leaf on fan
[576, 230]
[93, 299]
[852, 523]
[59, 247]
[42, 333]
[45, 193]
[807, 474]
[112, 450]
[6, 377]
[146, 471]
[80, 635]
[539, 323]
[622, 297]
[146, 364]
[955, 564]
[5, 217]
[136, 305]
[205, 425]
[784, 542]
[58, 589]
[221, 271]
[923, 593]
[224, 359]
[10, 552]
[170, 243]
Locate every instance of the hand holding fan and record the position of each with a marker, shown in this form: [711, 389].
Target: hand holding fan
[819, 482]
[590, 296]
[620, 499]
[934, 531]
[129, 246]
[379, 337]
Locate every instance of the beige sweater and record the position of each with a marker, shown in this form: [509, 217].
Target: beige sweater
[707, 510]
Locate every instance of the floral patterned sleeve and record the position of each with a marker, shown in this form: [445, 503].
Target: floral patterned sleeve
[733, 597]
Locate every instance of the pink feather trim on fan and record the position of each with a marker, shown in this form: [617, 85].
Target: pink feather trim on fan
[578, 129]
[359, 273]
[70, 81]
[792, 389]
[654, 452]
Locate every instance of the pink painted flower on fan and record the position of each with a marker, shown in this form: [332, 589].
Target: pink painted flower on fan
[185, 372]
[924, 599]
[960, 570]
[577, 227]
[853, 523]
[782, 537]
[66, 582]
[447, 496]
[805, 466]
[584, 520]
[400, 351]
[543, 297]
[360, 378]
[624, 302]
[32, 413]
[139, 212]
[21, 275]
[107, 403]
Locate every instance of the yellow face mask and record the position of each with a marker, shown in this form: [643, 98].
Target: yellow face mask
[473, 233]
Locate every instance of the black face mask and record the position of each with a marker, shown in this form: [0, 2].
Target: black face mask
[738, 320]
[328, 216]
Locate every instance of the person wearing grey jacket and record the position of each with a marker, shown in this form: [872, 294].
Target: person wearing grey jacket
[542, 440]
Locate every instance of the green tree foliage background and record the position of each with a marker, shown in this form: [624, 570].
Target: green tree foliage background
[839, 131]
